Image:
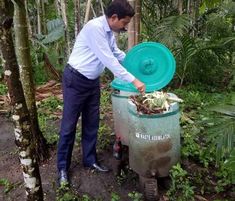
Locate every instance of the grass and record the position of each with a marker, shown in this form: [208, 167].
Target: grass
[8, 186]
[47, 121]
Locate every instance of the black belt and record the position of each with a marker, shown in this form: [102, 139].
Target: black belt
[76, 72]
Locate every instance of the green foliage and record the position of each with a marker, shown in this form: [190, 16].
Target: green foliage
[115, 196]
[39, 74]
[203, 47]
[104, 133]
[195, 147]
[64, 193]
[50, 104]
[55, 30]
[229, 165]
[204, 61]
[181, 189]
[208, 137]
[3, 89]
[210, 3]
[8, 186]
[123, 41]
[135, 196]
[105, 102]
[225, 177]
[86, 198]
[171, 29]
[184, 54]
[190, 146]
[50, 132]
[222, 136]
[193, 99]
[51, 46]
[152, 13]
[45, 118]
[104, 136]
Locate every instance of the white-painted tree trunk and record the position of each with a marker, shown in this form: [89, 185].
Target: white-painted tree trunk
[20, 113]
[26, 75]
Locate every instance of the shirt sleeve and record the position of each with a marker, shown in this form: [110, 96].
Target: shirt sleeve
[99, 44]
[120, 55]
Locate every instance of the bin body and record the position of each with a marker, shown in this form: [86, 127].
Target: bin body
[120, 114]
[154, 144]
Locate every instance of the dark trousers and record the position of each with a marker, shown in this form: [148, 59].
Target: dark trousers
[81, 96]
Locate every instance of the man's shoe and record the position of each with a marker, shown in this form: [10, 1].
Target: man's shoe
[99, 168]
[63, 178]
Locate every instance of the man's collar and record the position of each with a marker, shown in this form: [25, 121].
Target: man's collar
[106, 24]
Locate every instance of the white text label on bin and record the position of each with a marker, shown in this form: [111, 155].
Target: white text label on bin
[152, 137]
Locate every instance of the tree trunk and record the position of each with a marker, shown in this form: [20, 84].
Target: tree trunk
[58, 8]
[62, 12]
[30, 31]
[93, 11]
[188, 7]
[101, 6]
[66, 27]
[43, 17]
[137, 21]
[88, 8]
[131, 28]
[39, 23]
[26, 74]
[180, 6]
[77, 16]
[20, 114]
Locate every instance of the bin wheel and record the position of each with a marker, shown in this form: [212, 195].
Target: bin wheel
[150, 188]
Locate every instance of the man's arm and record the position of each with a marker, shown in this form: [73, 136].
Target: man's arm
[119, 54]
[140, 86]
[99, 44]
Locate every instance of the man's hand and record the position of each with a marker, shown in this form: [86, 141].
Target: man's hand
[139, 85]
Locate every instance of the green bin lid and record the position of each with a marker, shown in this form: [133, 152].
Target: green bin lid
[151, 63]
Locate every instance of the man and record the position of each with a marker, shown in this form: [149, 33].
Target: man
[94, 49]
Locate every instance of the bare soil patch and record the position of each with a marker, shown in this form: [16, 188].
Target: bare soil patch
[96, 185]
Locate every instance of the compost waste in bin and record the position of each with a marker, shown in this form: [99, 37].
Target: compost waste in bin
[153, 140]
[150, 62]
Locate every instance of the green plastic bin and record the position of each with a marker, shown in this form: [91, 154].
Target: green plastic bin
[154, 141]
[151, 63]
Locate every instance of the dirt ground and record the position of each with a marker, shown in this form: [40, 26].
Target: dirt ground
[96, 185]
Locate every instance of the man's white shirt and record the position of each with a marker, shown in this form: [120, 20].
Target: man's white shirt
[95, 48]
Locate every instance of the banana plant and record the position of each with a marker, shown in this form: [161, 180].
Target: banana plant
[55, 30]
[53, 43]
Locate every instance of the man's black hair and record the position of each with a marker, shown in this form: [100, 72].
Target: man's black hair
[121, 8]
